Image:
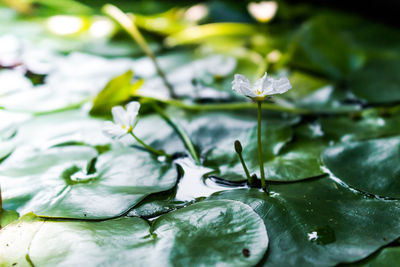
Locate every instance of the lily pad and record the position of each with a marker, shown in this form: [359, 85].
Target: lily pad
[72, 126]
[378, 81]
[320, 223]
[58, 183]
[386, 257]
[222, 232]
[372, 125]
[285, 159]
[371, 166]
[15, 240]
[317, 44]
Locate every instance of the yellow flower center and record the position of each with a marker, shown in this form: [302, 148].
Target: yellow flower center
[128, 130]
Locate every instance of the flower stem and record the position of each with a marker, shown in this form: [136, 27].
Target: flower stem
[259, 145]
[239, 149]
[149, 148]
[181, 132]
[128, 24]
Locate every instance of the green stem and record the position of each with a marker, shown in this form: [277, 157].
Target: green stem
[149, 148]
[249, 179]
[128, 24]
[260, 156]
[181, 132]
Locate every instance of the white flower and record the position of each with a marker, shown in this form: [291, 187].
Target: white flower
[220, 66]
[263, 11]
[262, 88]
[124, 120]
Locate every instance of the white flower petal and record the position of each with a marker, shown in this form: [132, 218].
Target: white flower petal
[241, 84]
[281, 85]
[112, 130]
[132, 112]
[119, 115]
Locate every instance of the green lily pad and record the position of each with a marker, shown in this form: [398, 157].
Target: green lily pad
[58, 183]
[15, 240]
[317, 44]
[386, 257]
[372, 125]
[42, 100]
[378, 81]
[284, 159]
[221, 232]
[371, 166]
[72, 126]
[320, 223]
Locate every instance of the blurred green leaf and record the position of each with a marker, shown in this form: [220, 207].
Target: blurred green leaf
[117, 91]
[7, 217]
[319, 47]
[378, 81]
[199, 34]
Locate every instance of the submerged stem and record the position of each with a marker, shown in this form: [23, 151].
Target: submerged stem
[227, 106]
[149, 148]
[128, 24]
[259, 146]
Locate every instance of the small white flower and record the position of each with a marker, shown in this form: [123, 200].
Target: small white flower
[124, 120]
[220, 66]
[262, 88]
[263, 11]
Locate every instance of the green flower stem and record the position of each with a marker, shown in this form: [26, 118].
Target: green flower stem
[149, 148]
[128, 24]
[259, 146]
[249, 178]
[181, 132]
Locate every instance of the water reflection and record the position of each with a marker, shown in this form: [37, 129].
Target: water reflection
[192, 185]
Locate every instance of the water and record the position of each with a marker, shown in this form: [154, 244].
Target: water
[193, 184]
[322, 235]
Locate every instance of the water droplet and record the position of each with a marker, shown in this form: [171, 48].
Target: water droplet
[322, 235]
[161, 158]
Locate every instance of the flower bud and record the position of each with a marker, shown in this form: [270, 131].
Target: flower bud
[238, 147]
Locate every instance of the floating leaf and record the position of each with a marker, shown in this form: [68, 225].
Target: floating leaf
[371, 166]
[368, 125]
[216, 133]
[210, 232]
[55, 182]
[320, 223]
[317, 45]
[386, 257]
[378, 81]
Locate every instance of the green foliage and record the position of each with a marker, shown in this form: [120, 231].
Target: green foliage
[211, 226]
[348, 225]
[67, 190]
[117, 91]
[376, 161]
[331, 144]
